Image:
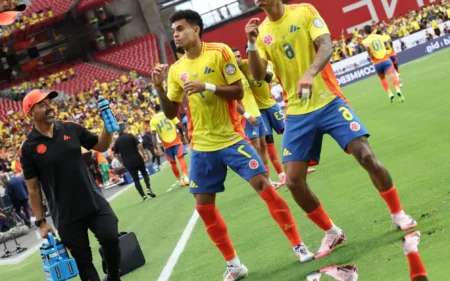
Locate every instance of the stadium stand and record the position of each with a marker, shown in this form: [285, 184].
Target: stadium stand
[85, 5]
[7, 105]
[140, 54]
[85, 73]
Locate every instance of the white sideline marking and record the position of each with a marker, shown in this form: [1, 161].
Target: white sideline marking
[173, 259]
[169, 190]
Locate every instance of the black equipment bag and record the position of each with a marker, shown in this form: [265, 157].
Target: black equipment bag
[132, 256]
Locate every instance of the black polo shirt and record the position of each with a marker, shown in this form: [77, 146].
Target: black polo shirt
[64, 176]
[126, 146]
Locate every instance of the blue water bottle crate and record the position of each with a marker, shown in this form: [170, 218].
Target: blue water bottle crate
[58, 266]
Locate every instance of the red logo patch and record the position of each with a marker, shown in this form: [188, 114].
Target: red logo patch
[253, 164]
[41, 149]
[354, 126]
[268, 40]
[184, 77]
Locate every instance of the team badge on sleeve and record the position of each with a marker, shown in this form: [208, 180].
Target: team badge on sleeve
[268, 39]
[184, 77]
[253, 164]
[354, 126]
[230, 69]
[318, 23]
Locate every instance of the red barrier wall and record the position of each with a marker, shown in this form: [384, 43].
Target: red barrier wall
[339, 14]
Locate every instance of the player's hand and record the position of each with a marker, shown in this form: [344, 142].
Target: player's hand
[157, 152]
[251, 29]
[2, 216]
[194, 87]
[45, 229]
[144, 157]
[252, 120]
[159, 74]
[304, 88]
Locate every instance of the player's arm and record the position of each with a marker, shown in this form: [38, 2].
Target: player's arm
[234, 91]
[258, 66]
[104, 140]
[252, 120]
[155, 142]
[324, 53]
[169, 107]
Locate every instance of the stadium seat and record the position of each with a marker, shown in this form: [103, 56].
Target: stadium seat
[140, 54]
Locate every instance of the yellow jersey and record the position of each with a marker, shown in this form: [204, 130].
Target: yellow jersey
[386, 39]
[289, 44]
[260, 89]
[166, 129]
[377, 46]
[213, 121]
[248, 102]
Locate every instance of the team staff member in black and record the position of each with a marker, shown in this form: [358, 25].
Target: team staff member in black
[126, 149]
[51, 156]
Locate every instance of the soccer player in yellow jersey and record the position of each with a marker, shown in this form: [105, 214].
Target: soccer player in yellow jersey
[376, 47]
[208, 76]
[297, 41]
[173, 147]
[387, 40]
[252, 123]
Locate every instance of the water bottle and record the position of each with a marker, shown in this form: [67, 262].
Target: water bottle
[107, 116]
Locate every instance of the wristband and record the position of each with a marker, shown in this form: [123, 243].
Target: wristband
[246, 115]
[210, 87]
[252, 46]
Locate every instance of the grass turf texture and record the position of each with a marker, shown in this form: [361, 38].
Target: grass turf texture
[412, 141]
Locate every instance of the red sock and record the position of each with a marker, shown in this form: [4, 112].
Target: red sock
[416, 267]
[280, 212]
[175, 170]
[217, 230]
[184, 167]
[392, 200]
[273, 155]
[320, 217]
[268, 169]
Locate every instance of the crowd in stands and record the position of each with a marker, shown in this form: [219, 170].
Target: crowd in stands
[130, 95]
[397, 28]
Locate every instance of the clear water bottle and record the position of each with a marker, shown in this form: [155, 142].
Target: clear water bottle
[107, 116]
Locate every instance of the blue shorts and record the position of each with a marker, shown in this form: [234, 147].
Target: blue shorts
[254, 132]
[302, 139]
[174, 152]
[394, 59]
[384, 67]
[274, 119]
[208, 170]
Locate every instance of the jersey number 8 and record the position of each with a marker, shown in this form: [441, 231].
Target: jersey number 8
[163, 123]
[288, 51]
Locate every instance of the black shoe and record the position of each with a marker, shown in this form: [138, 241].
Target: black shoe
[106, 278]
[150, 193]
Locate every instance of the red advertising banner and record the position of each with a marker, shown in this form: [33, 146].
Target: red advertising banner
[339, 14]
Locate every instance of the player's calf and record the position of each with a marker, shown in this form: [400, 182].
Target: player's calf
[383, 182]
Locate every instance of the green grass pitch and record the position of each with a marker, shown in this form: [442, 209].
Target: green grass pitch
[412, 139]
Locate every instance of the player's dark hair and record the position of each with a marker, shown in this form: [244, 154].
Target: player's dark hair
[192, 17]
[368, 29]
[235, 50]
[157, 107]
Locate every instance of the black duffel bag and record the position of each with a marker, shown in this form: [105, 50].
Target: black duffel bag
[132, 256]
